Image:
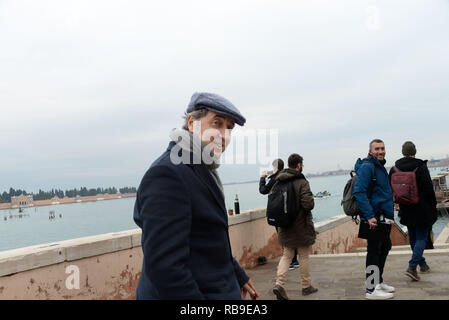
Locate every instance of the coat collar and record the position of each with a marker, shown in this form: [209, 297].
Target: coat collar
[206, 177]
[203, 173]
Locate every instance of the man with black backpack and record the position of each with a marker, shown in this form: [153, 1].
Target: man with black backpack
[374, 198]
[297, 231]
[265, 188]
[413, 191]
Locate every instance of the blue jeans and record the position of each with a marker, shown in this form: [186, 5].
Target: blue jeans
[418, 240]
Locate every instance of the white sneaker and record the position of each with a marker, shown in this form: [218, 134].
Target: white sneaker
[385, 287]
[378, 295]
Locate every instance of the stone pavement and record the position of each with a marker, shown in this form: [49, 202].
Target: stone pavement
[342, 277]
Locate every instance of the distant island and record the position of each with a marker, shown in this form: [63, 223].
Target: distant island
[430, 163]
[328, 173]
[6, 197]
[438, 163]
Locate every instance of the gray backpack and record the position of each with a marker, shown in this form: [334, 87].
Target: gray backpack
[349, 202]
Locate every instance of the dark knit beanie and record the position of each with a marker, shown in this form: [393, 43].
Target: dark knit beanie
[408, 149]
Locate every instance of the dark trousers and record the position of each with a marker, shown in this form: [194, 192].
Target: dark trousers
[377, 252]
[295, 257]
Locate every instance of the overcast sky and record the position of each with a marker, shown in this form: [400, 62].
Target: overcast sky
[89, 90]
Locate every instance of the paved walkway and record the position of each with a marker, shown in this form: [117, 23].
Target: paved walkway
[342, 276]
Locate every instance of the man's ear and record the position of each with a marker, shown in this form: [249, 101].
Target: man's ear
[190, 121]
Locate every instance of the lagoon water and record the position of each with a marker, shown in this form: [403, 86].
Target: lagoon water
[91, 218]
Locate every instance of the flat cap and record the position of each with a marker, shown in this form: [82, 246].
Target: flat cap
[216, 103]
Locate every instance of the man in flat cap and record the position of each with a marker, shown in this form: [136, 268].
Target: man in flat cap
[181, 209]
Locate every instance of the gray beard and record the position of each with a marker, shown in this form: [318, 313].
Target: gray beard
[191, 144]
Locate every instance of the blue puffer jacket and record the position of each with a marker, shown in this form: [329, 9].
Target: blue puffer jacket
[382, 196]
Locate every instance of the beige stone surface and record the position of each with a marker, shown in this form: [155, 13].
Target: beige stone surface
[342, 277]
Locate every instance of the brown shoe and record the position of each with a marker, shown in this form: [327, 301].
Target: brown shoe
[412, 273]
[424, 269]
[309, 290]
[280, 292]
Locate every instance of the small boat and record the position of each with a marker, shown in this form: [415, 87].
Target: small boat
[322, 194]
[20, 210]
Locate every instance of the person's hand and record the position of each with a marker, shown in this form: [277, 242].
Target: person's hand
[372, 223]
[264, 174]
[249, 287]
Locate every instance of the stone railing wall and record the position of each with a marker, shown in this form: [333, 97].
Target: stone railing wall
[108, 266]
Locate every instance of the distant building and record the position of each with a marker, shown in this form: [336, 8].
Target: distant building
[55, 200]
[438, 163]
[22, 201]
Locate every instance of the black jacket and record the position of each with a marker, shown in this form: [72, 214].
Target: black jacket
[424, 213]
[265, 188]
[185, 241]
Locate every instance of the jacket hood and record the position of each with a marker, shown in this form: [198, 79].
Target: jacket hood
[409, 163]
[369, 158]
[288, 174]
[358, 164]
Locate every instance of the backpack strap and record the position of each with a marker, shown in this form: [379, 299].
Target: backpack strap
[374, 180]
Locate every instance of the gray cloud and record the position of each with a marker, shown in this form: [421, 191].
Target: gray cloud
[90, 89]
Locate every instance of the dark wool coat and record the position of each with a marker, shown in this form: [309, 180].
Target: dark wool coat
[302, 232]
[424, 213]
[185, 241]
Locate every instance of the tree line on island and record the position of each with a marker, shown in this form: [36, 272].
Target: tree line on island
[5, 197]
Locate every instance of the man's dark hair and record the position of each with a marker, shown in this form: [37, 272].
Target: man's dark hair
[374, 141]
[278, 163]
[294, 160]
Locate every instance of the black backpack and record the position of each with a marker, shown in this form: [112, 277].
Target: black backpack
[349, 202]
[281, 207]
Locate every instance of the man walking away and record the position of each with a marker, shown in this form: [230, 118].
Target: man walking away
[265, 188]
[418, 217]
[301, 234]
[375, 201]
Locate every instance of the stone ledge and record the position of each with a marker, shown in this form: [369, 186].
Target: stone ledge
[246, 216]
[407, 247]
[23, 259]
[331, 223]
[254, 214]
[363, 254]
[444, 235]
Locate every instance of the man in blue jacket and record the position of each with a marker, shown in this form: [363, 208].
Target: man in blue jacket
[181, 209]
[374, 198]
